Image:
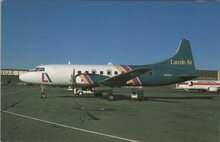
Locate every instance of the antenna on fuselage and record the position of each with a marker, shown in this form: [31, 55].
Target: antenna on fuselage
[110, 63]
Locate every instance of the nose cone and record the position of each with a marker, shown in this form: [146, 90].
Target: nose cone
[31, 77]
[27, 77]
[23, 77]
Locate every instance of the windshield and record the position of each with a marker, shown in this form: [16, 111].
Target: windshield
[38, 69]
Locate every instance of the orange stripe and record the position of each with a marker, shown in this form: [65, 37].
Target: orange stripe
[119, 68]
[130, 82]
[84, 79]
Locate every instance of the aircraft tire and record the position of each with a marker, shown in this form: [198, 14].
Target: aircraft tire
[80, 93]
[110, 97]
[43, 96]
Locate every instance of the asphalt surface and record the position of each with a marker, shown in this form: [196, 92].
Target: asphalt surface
[165, 115]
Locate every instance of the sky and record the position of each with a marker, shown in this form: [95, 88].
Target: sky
[98, 32]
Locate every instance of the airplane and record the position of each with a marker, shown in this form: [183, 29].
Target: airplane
[203, 85]
[103, 78]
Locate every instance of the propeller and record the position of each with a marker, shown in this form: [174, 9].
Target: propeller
[73, 80]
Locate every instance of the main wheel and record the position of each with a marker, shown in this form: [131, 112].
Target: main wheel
[110, 97]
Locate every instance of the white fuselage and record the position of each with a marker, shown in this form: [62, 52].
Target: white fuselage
[178, 68]
[63, 74]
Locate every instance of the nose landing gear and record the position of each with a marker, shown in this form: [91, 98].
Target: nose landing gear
[110, 96]
[43, 92]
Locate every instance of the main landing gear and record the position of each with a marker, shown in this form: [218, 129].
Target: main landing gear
[110, 96]
[43, 92]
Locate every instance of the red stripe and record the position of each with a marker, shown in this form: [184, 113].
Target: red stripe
[139, 81]
[88, 79]
[125, 67]
[136, 81]
[211, 84]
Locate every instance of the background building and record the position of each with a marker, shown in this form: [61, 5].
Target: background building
[15, 72]
[218, 75]
[11, 76]
[208, 75]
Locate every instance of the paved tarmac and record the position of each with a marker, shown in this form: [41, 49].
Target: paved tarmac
[166, 115]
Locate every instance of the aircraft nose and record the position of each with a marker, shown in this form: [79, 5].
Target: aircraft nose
[30, 77]
[22, 77]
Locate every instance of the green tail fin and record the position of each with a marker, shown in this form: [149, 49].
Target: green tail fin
[183, 59]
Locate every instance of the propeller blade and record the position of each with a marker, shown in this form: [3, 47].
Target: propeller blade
[74, 80]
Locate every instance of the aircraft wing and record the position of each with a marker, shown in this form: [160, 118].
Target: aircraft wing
[121, 79]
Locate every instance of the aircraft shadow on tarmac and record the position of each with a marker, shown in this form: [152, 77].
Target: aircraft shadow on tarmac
[148, 98]
[77, 96]
[165, 99]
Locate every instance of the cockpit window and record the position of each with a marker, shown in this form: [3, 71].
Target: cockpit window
[38, 69]
[42, 69]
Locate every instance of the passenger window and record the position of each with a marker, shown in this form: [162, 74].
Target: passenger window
[116, 72]
[109, 72]
[36, 69]
[79, 72]
[93, 71]
[86, 72]
[101, 72]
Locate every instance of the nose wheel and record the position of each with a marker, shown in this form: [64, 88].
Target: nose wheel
[43, 95]
[43, 92]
